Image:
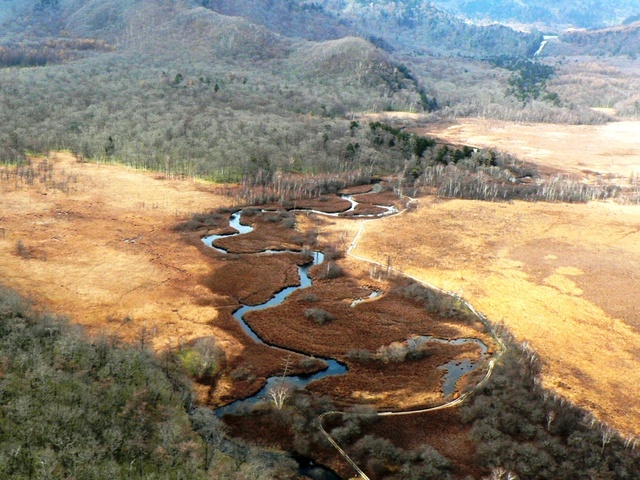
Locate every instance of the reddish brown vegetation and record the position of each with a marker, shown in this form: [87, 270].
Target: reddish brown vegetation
[381, 198]
[273, 231]
[324, 203]
[364, 209]
[357, 189]
[255, 279]
[442, 430]
[368, 326]
[248, 372]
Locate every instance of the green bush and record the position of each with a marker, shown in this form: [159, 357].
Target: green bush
[202, 360]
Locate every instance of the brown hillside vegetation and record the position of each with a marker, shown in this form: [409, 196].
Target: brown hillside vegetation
[562, 277]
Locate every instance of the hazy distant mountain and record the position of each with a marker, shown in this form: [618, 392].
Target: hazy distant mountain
[413, 26]
[410, 26]
[552, 13]
[619, 40]
[418, 27]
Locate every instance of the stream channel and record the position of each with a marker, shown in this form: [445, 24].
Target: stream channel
[453, 370]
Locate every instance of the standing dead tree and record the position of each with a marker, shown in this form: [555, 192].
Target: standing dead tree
[280, 390]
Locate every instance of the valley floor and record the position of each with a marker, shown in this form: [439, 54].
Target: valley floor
[562, 277]
[96, 243]
[590, 151]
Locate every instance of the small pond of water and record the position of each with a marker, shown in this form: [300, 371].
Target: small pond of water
[455, 369]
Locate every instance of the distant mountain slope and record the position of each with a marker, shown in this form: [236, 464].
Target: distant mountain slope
[553, 13]
[409, 26]
[197, 30]
[620, 40]
[293, 19]
[211, 35]
[111, 19]
[350, 56]
[417, 27]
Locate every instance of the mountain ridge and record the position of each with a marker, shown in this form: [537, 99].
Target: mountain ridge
[612, 41]
[544, 13]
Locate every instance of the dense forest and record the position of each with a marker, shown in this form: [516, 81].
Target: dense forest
[73, 407]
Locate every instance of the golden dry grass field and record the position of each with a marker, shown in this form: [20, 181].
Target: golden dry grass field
[610, 149]
[97, 243]
[104, 252]
[564, 278]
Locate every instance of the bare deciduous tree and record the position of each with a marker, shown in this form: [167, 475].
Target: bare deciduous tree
[607, 434]
[500, 473]
[279, 393]
[551, 416]
[280, 390]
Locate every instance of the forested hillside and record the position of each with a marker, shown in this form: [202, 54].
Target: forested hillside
[417, 27]
[183, 87]
[299, 19]
[95, 409]
[545, 13]
[188, 90]
[620, 40]
[220, 89]
[414, 27]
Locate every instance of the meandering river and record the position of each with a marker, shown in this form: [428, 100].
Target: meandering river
[453, 370]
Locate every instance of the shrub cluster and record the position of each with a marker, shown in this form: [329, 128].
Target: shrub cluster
[434, 301]
[318, 315]
[522, 428]
[74, 408]
[413, 349]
